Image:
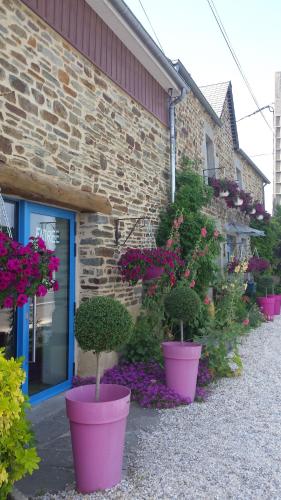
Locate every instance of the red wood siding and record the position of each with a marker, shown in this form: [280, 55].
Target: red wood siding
[86, 31]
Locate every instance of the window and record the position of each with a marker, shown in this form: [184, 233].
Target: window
[210, 156]
[239, 177]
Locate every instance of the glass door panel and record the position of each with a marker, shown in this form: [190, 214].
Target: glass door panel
[49, 315]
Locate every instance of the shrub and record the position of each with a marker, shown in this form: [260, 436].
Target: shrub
[183, 304]
[265, 285]
[144, 344]
[102, 324]
[17, 454]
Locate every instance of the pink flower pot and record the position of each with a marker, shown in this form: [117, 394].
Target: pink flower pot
[267, 305]
[276, 304]
[153, 273]
[97, 434]
[181, 367]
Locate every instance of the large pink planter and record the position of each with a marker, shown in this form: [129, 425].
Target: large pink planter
[276, 304]
[267, 305]
[181, 367]
[97, 434]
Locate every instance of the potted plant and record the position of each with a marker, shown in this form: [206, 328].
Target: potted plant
[266, 302]
[182, 358]
[147, 263]
[223, 190]
[98, 412]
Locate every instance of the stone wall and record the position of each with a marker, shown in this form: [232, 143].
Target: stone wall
[59, 115]
[252, 181]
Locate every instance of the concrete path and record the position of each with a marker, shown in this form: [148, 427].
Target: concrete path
[54, 446]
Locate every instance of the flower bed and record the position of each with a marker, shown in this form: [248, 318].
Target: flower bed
[147, 382]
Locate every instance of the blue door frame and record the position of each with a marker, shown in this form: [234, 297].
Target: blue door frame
[25, 210]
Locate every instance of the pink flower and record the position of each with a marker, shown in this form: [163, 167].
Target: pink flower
[41, 244]
[169, 243]
[192, 284]
[56, 286]
[203, 232]
[35, 258]
[207, 301]
[246, 322]
[13, 265]
[152, 290]
[8, 302]
[41, 291]
[187, 273]
[172, 279]
[180, 219]
[22, 299]
[21, 286]
[216, 233]
[54, 264]
[3, 251]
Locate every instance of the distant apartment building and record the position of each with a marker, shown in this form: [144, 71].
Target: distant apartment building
[277, 142]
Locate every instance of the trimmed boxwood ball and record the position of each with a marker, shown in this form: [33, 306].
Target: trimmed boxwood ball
[102, 324]
[183, 304]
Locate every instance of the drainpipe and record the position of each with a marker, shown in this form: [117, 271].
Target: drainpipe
[173, 102]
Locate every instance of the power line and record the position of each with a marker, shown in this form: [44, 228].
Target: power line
[227, 40]
[257, 111]
[261, 154]
[151, 26]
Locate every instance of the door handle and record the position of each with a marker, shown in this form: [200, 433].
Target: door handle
[34, 328]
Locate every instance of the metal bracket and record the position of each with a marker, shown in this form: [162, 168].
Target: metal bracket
[117, 226]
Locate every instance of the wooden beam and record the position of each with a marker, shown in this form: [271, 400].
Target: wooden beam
[45, 189]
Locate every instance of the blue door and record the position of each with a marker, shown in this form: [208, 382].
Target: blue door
[45, 326]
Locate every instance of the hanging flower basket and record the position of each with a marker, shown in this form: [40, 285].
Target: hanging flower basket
[252, 211]
[238, 202]
[260, 217]
[153, 273]
[25, 271]
[224, 194]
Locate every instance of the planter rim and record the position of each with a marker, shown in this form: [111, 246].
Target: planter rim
[82, 408]
[179, 350]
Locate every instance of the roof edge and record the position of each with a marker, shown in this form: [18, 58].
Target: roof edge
[197, 92]
[131, 20]
[253, 165]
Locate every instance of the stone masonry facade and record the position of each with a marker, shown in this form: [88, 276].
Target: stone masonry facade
[193, 122]
[60, 116]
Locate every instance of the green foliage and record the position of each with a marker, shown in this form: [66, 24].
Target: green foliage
[183, 304]
[269, 247]
[265, 285]
[144, 344]
[102, 324]
[228, 300]
[221, 349]
[17, 454]
[255, 316]
[192, 194]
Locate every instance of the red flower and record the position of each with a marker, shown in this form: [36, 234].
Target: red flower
[216, 233]
[187, 273]
[41, 291]
[207, 301]
[246, 322]
[56, 286]
[203, 232]
[192, 284]
[172, 279]
[8, 302]
[22, 299]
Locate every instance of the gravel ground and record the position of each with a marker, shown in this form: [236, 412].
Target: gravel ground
[227, 448]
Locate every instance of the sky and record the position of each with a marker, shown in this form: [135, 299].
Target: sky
[188, 31]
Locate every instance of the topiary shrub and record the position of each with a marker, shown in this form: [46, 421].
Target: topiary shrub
[17, 454]
[183, 304]
[265, 285]
[102, 324]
